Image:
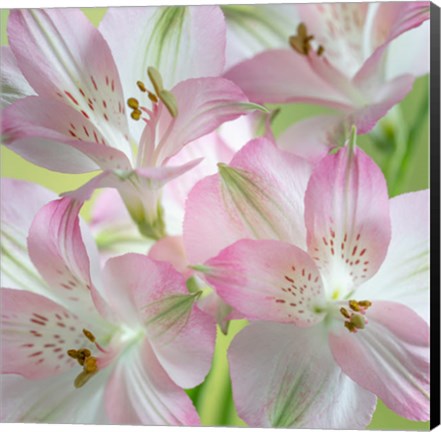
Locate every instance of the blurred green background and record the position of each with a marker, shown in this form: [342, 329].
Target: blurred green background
[400, 145]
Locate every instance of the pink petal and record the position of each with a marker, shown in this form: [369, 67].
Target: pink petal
[203, 104]
[70, 61]
[19, 204]
[151, 292]
[268, 280]
[213, 150]
[404, 274]
[311, 138]
[14, 84]
[347, 218]
[52, 400]
[282, 76]
[260, 195]
[389, 357]
[140, 392]
[36, 334]
[57, 250]
[51, 134]
[286, 377]
[171, 249]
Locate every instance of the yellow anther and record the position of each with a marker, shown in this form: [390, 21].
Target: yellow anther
[357, 321]
[350, 327]
[353, 304]
[141, 86]
[365, 303]
[301, 41]
[156, 79]
[152, 97]
[89, 335]
[133, 103]
[72, 353]
[90, 365]
[82, 378]
[169, 101]
[136, 114]
[344, 312]
[320, 50]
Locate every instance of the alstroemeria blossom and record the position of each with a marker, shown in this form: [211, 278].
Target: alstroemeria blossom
[110, 346]
[340, 297]
[78, 121]
[345, 56]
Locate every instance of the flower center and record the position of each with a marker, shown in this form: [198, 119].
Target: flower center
[301, 42]
[85, 359]
[158, 94]
[355, 315]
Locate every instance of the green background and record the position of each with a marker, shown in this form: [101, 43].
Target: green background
[404, 162]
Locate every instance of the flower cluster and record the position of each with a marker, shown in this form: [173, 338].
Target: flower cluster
[206, 217]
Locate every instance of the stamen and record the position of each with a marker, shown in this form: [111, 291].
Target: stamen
[301, 42]
[89, 335]
[141, 86]
[133, 103]
[356, 320]
[320, 50]
[169, 101]
[136, 114]
[82, 378]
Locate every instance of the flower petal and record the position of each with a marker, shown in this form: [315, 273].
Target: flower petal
[52, 400]
[347, 219]
[140, 392]
[268, 280]
[153, 294]
[340, 29]
[260, 195]
[203, 104]
[282, 76]
[180, 42]
[51, 134]
[36, 334]
[57, 250]
[63, 56]
[286, 377]
[311, 138]
[14, 85]
[171, 249]
[389, 357]
[255, 28]
[404, 274]
[17, 213]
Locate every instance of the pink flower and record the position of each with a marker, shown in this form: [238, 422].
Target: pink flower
[360, 58]
[84, 77]
[91, 346]
[334, 280]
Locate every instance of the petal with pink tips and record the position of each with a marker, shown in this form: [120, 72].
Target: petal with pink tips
[404, 274]
[36, 334]
[152, 294]
[286, 377]
[347, 219]
[140, 392]
[203, 105]
[17, 269]
[57, 250]
[282, 76]
[53, 135]
[259, 195]
[268, 280]
[63, 56]
[389, 357]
